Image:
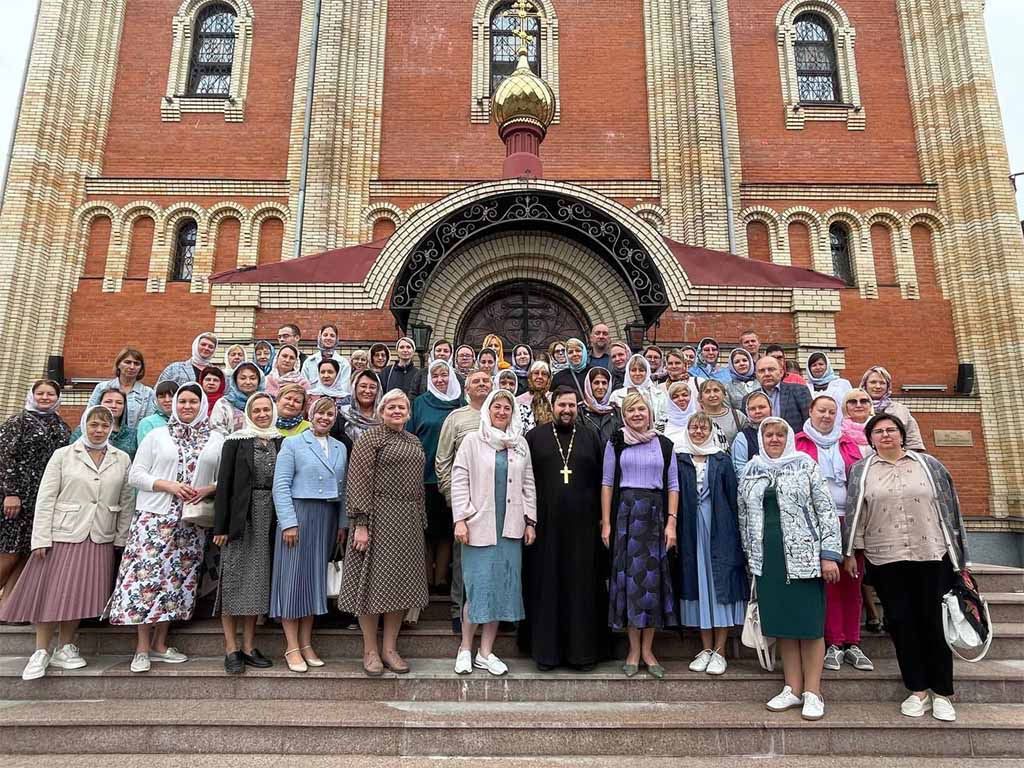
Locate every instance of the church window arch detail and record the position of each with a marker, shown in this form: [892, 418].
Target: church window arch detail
[818, 69]
[184, 251]
[842, 259]
[211, 47]
[494, 50]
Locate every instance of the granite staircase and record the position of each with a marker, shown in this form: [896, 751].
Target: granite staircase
[193, 713]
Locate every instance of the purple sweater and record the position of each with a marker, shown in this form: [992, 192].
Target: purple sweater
[642, 467]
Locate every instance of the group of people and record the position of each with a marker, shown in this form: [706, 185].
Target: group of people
[576, 492]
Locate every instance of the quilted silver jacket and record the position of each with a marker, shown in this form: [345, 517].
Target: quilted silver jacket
[810, 522]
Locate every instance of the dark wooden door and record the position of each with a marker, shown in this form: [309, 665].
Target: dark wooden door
[523, 312]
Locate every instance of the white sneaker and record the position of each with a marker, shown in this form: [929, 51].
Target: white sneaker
[717, 665]
[492, 664]
[140, 663]
[913, 706]
[171, 656]
[814, 707]
[37, 664]
[700, 661]
[834, 657]
[857, 659]
[784, 700]
[67, 657]
[464, 663]
[942, 709]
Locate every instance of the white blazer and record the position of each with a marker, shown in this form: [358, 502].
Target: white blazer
[77, 500]
[157, 459]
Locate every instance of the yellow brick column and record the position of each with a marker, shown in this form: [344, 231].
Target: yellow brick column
[236, 305]
[980, 254]
[814, 322]
[58, 142]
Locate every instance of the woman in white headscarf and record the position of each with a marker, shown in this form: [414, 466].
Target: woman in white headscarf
[494, 505]
[82, 512]
[791, 537]
[638, 377]
[429, 410]
[27, 441]
[680, 407]
[159, 576]
[204, 347]
[713, 587]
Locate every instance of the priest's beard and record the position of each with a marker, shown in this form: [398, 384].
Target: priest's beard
[565, 423]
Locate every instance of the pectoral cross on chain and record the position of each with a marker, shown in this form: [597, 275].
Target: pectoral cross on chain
[565, 472]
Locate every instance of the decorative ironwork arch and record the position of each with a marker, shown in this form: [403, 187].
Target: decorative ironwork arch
[536, 210]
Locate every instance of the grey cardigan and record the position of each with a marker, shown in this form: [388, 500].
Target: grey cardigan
[950, 519]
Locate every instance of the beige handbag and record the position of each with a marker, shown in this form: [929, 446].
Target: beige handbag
[335, 570]
[200, 515]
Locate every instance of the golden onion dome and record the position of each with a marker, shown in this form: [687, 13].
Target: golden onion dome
[524, 96]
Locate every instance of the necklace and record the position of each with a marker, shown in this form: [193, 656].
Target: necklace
[565, 471]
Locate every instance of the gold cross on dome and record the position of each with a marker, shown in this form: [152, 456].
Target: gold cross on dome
[522, 10]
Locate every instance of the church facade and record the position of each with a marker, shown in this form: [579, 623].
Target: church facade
[234, 165]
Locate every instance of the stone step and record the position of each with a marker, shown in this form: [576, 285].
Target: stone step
[542, 729]
[429, 639]
[108, 677]
[75, 760]
[1006, 607]
[998, 578]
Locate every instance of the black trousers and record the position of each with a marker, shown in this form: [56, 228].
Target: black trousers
[911, 595]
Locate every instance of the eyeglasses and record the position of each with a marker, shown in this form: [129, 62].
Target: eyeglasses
[860, 402]
[559, 350]
[883, 431]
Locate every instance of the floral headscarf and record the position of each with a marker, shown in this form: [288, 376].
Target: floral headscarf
[189, 437]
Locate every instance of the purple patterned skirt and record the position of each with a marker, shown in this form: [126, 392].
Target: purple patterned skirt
[72, 582]
[641, 594]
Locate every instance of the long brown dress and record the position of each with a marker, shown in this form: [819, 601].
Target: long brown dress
[384, 491]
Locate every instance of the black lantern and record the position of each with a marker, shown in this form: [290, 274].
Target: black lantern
[634, 333]
[421, 338]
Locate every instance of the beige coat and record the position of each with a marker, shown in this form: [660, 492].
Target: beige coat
[473, 492]
[77, 501]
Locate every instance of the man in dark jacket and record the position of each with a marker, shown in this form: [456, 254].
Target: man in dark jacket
[790, 402]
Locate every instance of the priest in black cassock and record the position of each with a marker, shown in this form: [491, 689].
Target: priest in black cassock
[564, 571]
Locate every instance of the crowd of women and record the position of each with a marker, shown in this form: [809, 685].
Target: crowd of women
[721, 480]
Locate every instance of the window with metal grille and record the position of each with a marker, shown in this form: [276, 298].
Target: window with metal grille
[184, 251]
[842, 263]
[817, 72]
[213, 51]
[505, 45]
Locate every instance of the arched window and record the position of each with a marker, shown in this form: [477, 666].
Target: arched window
[213, 51]
[184, 251]
[817, 71]
[842, 263]
[505, 45]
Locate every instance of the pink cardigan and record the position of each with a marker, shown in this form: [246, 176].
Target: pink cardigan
[473, 492]
[848, 449]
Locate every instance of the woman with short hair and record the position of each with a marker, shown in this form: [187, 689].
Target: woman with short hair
[678, 371]
[403, 373]
[291, 410]
[712, 586]
[654, 355]
[494, 506]
[164, 393]
[877, 381]
[83, 509]
[857, 410]
[757, 406]
[234, 356]
[380, 358]
[362, 414]
[229, 412]
[309, 498]
[159, 574]
[242, 528]
[129, 370]
[383, 577]
[27, 441]
[906, 523]
[714, 401]
[791, 538]
[640, 484]
[359, 360]
[556, 357]
[204, 347]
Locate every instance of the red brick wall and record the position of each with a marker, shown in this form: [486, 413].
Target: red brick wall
[924, 261]
[967, 465]
[800, 245]
[139, 144]
[427, 133]
[271, 237]
[759, 246]
[97, 247]
[353, 326]
[141, 247]
[881, 246]
[824, 151]
[225, 252]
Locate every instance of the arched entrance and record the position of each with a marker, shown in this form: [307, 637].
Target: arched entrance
[523, 312]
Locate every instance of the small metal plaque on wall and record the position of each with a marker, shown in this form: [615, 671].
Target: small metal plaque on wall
[954, 438]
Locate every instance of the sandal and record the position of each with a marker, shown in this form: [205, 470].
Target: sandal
[295, 667]
[396, 664]
[316, 661]
[372, 665]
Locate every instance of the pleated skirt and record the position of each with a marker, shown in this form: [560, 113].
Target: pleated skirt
[72, 582]
[299, 583]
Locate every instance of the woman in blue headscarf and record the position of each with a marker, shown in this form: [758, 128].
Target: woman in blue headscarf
[822, 380]
[263, 354]
[578, 360]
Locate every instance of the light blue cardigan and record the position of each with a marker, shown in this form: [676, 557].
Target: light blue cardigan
[303, 472]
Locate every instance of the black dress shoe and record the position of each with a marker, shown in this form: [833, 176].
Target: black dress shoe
[545, 667]
[234, 663]
[256, 659]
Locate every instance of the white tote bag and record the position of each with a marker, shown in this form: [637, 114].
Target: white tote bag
[335, 568]
[753, 637]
